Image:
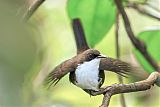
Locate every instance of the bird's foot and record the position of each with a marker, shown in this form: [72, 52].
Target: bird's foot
[93, 93]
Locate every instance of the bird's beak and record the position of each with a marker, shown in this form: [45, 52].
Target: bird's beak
[102, 56]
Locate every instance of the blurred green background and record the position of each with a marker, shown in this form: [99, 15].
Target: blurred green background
[29, 51]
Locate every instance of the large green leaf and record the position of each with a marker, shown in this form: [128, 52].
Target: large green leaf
[152, 41]
[97, 17]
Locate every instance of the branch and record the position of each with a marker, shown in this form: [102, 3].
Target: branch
[141, 10]
[152, 6]
[34, 6]
[114, 89]
[79, 35]
[136, 42]
[120, 79]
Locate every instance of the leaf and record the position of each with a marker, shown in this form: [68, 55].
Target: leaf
[152, 40]
[97, 17]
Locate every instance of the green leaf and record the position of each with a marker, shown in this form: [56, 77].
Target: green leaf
[97, 17]
[152, 40]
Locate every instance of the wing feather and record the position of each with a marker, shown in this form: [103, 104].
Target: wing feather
[115, 65]
[59, 72]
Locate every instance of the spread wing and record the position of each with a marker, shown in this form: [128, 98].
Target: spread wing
[115, 65]
[59, 71]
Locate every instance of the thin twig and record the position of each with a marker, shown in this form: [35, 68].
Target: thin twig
[136, 42]
[34, 6]
[153, 7]
[126, 88]
[117, 36]
[120, 79]
[141, 10]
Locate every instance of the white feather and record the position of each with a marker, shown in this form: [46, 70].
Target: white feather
[87, 74]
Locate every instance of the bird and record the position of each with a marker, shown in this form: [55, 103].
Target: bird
[87, 70]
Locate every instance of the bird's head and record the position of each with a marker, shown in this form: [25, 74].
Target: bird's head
[90, 54]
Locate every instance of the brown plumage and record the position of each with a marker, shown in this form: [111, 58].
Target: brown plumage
[70, 65]
[115, 65]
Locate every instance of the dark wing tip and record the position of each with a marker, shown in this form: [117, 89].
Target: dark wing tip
[51, 79]
[58, 72]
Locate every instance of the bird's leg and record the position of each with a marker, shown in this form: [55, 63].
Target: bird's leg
[100, 80]
[102, 90]
[93, 93]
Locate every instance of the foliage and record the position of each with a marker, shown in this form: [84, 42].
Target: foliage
[152, 40]
[94, 14]
[97, 16]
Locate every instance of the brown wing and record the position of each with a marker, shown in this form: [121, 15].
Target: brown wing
[60, 71]
[115, 65]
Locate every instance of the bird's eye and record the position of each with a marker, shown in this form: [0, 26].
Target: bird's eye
[91, 56]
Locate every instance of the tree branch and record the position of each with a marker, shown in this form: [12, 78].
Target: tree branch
[79, 35]
[152, 6]
[136, 42]
[126, 88]
[120, 79]
[141, 10]
[34, 6]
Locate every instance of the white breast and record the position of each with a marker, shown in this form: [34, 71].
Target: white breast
[87, 74]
